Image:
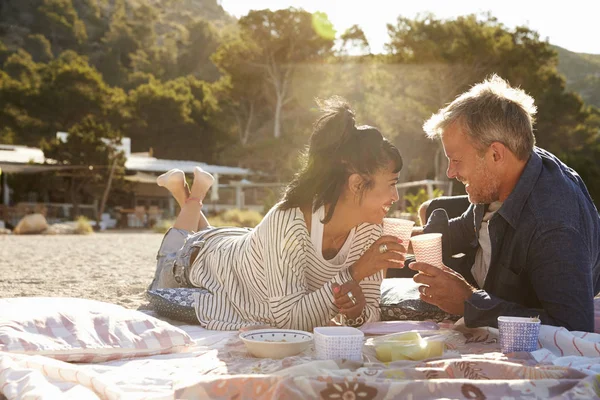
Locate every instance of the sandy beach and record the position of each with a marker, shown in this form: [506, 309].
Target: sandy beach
[115, 267]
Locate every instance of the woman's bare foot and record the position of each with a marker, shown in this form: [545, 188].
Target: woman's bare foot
[202, 182]
[174, 181]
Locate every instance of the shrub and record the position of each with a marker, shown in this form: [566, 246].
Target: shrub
[83, 226]
[270, 200]
[235, 217]
[415, 200]
[163, 226]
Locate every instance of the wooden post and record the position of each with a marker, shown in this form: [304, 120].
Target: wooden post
[214, 190]
[100, 211]
[429, 190]
[239, 201]
[5, 188]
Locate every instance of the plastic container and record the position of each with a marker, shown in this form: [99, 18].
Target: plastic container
[338, 342]
[411, 346]
[518, 333]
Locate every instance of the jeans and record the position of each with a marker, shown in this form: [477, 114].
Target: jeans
[173, 258]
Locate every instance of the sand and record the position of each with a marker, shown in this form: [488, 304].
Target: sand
[114, 267]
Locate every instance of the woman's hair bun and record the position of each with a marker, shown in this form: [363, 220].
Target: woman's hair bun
[335, 125]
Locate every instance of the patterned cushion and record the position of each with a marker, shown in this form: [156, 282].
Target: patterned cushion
[400, 300]
[81, 330]
[175, 303]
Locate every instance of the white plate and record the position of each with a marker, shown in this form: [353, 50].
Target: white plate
[276, 343]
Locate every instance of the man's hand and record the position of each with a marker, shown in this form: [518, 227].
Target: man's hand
[444, 288]
[344, 302]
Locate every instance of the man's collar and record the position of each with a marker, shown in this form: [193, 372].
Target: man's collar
[514, 203]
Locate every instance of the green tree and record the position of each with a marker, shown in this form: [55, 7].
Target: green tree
[589, 87]
[454, 54]
[19, 87]
[7, 133]
[4, 53]
[40, 99]
[354, 40]
[20, 67]
[243, 84]
[39, 47]
[173, 118]
[93, 13]
[87, 154]
[58, 21]
[194, 56]
[284, 40]
[71, 90]
[122, 40]
[584, 157]
[582, 73]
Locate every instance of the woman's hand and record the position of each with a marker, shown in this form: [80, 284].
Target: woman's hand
[376, 259]
[344, 301]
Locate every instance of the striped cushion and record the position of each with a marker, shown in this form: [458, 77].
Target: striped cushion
[81, 330]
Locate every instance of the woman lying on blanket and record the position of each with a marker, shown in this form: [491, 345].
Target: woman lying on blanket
[318, 253]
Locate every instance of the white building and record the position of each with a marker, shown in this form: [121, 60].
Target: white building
[232, 187]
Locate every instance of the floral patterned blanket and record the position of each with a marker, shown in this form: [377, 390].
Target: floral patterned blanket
[565, 367]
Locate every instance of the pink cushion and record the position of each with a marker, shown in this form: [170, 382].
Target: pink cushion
[81, 330]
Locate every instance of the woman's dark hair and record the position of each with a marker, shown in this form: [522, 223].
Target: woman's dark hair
[338, 149]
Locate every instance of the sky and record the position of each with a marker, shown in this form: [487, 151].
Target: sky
[572, 24]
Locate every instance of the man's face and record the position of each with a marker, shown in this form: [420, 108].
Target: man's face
[476, 172]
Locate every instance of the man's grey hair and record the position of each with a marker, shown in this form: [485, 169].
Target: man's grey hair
[491, 111]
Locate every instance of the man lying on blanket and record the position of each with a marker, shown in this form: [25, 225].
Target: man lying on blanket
[531, 234]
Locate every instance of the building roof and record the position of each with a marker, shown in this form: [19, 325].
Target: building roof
[20, 154]
[23, 159]
[141, 177]
[144, 163]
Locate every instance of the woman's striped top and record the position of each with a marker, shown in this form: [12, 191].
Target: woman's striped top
[273, 275]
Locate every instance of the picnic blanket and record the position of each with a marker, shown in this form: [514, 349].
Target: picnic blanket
[218, 366]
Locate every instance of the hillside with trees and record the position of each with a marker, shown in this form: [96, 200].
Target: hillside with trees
[582, 72]
[185, 79]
